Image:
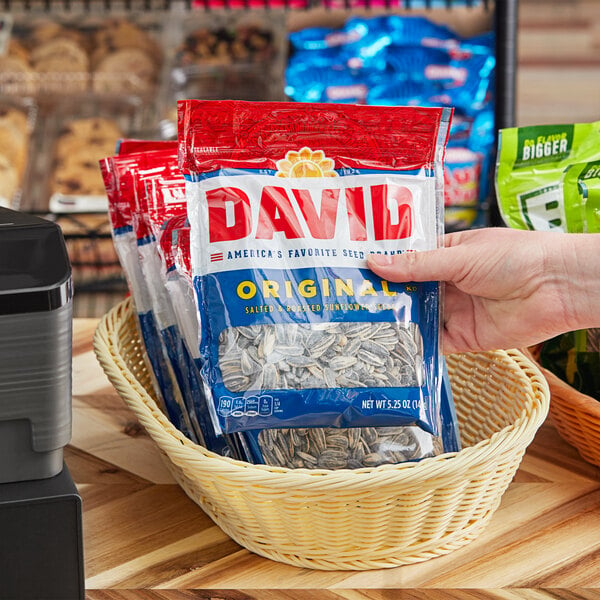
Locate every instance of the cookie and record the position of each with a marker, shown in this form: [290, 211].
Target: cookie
[63, 66]
[9, 181]
[128, 70]
[16, 76]
[13, 145]
[83, 181]
[83, 223]
[82, 143]
[18, 50]
[211, 47]
[17, 118]
[70, 146]
[117, 34]
[65, 55]
[92, 127]
[44, 32]
[86, 157]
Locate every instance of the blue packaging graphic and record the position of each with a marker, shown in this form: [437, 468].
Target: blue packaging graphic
[308, 83]
[344, 308]
[399, 60]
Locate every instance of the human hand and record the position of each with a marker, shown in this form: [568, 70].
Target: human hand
[506, 288]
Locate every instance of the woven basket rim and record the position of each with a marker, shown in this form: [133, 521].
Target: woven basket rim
[185, 451]
[578, 400]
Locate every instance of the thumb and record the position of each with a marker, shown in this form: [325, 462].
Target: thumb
[431, 265]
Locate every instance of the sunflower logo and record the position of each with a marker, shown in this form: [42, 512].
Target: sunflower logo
[305, 163]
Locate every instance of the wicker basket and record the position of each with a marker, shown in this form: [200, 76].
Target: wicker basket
[364, 519]
[575, 415]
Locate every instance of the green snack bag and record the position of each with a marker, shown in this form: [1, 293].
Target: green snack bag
[548, 177]
[581, 187]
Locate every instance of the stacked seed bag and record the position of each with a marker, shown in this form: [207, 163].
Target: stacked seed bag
[278, 345]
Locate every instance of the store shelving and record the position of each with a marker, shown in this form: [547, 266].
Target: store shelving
[167, 21]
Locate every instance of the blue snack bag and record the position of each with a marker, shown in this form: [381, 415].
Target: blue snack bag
[398, 93]
[322, 38]
[401, 30]
[402, 63]
[305, 83]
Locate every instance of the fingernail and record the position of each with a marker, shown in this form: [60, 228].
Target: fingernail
[380, 260]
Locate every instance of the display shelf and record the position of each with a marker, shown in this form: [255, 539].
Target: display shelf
[111, 6]
[168, 22]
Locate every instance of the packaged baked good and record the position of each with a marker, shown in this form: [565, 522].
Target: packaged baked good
[76, 182]
[233, 55]
[59, 56]
[61, 65]
[16, 124]
[71, 137]
[17, 76]
[125, 59]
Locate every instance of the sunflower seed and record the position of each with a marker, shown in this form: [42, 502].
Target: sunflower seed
[342, 362]
[270, 377]
[323, 355]
[349, 448]
[247, 364]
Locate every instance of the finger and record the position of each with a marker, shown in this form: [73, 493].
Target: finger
[442, 264]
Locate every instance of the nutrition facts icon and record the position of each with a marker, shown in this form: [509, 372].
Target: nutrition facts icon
[238, 408]
[265, 408]
[249, 407]
[252, 404]
[225, 406]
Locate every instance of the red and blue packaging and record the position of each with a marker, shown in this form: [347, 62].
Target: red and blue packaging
[285, 202]
[164, 206]
[147, 207]
[118, 177]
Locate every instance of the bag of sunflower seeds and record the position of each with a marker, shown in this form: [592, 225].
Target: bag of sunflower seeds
[117, 172]
[164, 207]
[286, 201]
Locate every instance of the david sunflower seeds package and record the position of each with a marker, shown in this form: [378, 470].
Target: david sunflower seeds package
[286, 201]
[164, 208]
[118, 174]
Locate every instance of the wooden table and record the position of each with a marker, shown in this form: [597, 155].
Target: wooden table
[141, 531]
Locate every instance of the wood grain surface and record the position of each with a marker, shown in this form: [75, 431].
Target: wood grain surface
[396, 594]
[142, 533]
